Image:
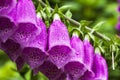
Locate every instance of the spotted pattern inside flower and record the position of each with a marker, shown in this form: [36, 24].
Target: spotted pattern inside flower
[60, 55]
[34, 56]
[50, 70]
[10, 46]
[25, 32]
[75, 69]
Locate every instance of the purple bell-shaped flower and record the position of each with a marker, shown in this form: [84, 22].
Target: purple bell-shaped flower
[7, 18]
[35, 52]
[100, 68]
[59, 43]
[26, 22]
[75, 67]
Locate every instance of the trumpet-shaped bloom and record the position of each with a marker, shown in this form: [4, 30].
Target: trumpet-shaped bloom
[34, 54]
[7, 18]
[59, 43]
[88, 54]
[75, 67]
[100, 68]
[27, 24]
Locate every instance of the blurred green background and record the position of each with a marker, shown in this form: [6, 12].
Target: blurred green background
[90, 10]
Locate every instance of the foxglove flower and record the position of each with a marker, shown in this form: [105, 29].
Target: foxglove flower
[34, 54]
[59, 43]
[26, 21]
[11, 48]
[88, 60]
[88, 54]
[100, 68]
[49, 69]
[75, 68]
[7, 18]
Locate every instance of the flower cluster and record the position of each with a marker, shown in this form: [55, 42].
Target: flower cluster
[24, 38]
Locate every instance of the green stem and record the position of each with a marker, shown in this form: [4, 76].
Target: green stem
[101, 36]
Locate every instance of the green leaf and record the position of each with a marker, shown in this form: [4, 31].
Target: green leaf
[68, 14]
[98, 25]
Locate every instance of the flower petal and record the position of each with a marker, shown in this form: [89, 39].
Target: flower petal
[49, 69]
[26, 12]
[75, 69]
[34, 53]
[33, 56]
[7, 28]
[59, 43]
[11, 48]
[6, 6]
[100, 68]
[78, 46]
[88, 54]
[26, 32]
[60, 55]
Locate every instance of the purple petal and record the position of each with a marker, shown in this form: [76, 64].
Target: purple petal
[40, 41]
[34, 53]
[59, 44]
[8, 24]
[88, 54]
[27, 22]
[58, 34]
[7, 28]
[20, 63]
[60, 55]
[11, 48]
[26, 12]
[33, 56]
[75, 69]
[78, 46]
[49, 69]
[100, 68]
[88, 75]
[25, 33]
[6, 6]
